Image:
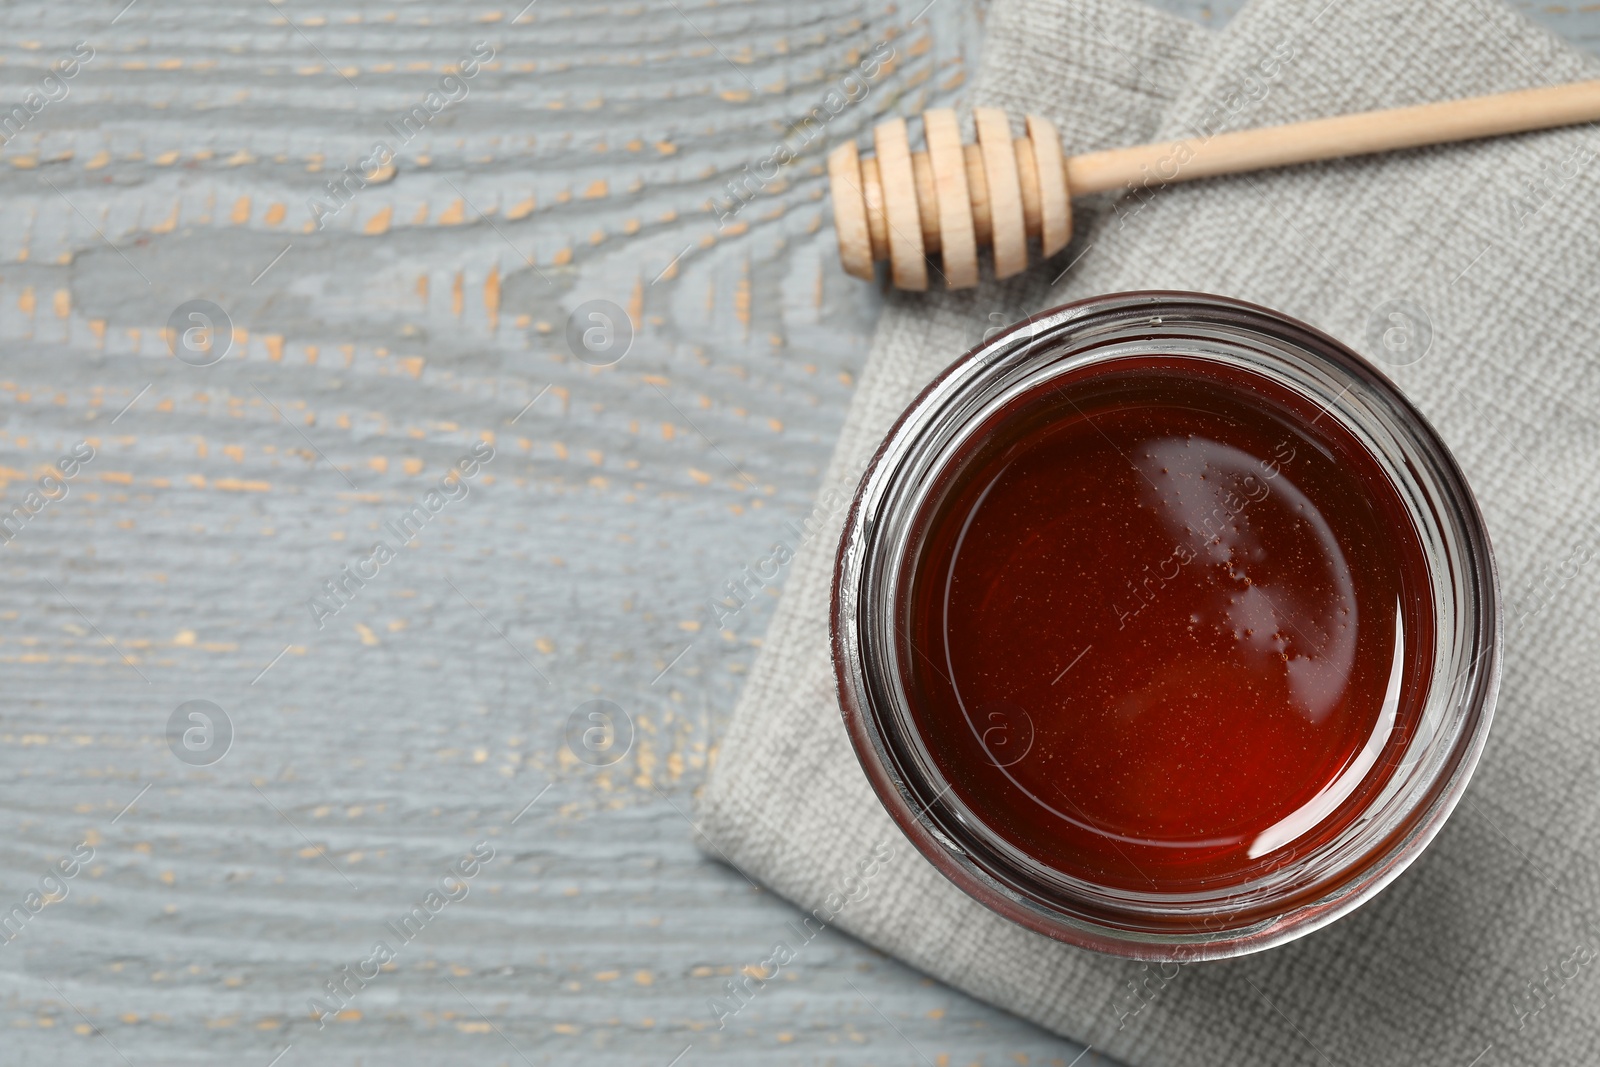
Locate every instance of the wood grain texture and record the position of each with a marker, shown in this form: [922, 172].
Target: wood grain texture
[589, 160]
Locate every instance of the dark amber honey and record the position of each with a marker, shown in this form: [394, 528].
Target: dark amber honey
[1169, 625]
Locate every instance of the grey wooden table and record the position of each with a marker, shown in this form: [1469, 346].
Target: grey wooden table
[180, 890]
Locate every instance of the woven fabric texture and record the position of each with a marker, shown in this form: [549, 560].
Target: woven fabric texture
[1484, 952]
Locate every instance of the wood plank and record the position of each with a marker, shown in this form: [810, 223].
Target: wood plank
[427, 314]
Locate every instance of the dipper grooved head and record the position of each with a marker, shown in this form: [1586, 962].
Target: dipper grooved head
[950, 199]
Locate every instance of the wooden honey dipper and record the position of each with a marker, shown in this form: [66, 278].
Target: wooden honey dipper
[903, 205]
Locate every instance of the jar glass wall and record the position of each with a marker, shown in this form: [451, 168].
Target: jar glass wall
[1166, 626]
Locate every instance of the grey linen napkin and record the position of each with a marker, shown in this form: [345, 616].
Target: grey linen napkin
[1485, 952]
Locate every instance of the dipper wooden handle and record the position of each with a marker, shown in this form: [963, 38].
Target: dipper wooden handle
[952, 198]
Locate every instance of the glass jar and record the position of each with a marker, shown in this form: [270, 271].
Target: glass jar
[1040, 842]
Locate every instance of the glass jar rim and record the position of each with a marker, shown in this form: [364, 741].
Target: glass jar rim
[1307, 892]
